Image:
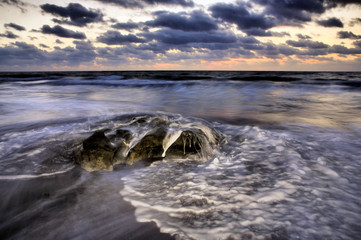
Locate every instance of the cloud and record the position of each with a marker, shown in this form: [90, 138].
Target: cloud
[62, 32]
[17, 3]
[276, 13]
[263, 33]
[196, 21]
[331, 22]
[357, 44]
[22, 54]
[193, 44]
[295, 10]
[355, 21]
[79, 15]
[126, 26]
[115, 38]
[346, 34]
[304, 37]
[43, 45]
[143, 3]
[9, 34]
[245, 20]
[344, 50]
[335, 3]
[307, 44]
[177, 37]
[14, 26]
[58, 41]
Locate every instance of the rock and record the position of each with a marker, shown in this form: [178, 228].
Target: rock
[248, 236]
[97, 153]
[123, 134]
[189, 142]
[161, 143]
[167, 139]
[150, 147]
[279, 233]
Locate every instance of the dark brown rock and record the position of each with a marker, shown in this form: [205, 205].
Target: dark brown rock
[149, 147]
[97, 153]
[189, 142]
[123, 134]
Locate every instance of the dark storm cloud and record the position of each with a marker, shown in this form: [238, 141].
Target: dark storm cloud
[274, 51]
[23, 54]
[263, 33]
[9, 34]
[304, 48]
[331, 22]
[79, 15]
[334, 3]
[295, 10]
[304, 37]
[83, 53]
[276, 13]
[43, 45]
[20, 53]
[189, 42]
[115, 38]
[344, 50]
[196, 21]
[14, 26]
[126, 26]
[17, 3]
[307, 44]
[239, 15]
[143, 3]
[345, 35]
[357, 44]
[355, 21]
[62, 32]
[177, 37]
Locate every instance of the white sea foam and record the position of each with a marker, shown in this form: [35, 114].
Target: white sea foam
[264, 184]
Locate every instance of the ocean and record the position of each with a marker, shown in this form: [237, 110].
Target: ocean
[287, 165]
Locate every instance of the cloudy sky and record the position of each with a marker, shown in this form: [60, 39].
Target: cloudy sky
[180, 34]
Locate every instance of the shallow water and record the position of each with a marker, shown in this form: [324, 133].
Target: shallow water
[287, 167]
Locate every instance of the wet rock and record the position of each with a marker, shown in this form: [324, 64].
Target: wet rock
[123, 134]
[187, 201]
[231, 237]
[189, 142]
[248, 236]
[167, 139]
[150, 147]
[279, 233]
[97, 153]
[161, 143]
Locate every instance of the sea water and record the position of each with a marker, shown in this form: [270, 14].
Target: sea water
[287, 166]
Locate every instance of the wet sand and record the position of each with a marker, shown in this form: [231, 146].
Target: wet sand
[74, 205]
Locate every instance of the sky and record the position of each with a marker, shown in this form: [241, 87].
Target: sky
[266, 35]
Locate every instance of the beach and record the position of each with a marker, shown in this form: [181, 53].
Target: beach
[278, 156]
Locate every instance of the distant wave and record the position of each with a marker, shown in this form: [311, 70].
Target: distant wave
[348, 79]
